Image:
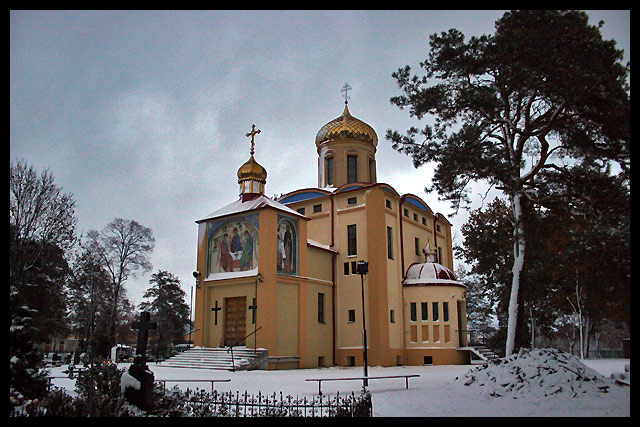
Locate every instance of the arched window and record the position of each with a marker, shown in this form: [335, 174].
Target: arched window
[352, 168]
[372, 169]
[328, 170]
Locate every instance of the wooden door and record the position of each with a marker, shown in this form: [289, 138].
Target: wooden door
[235, 320]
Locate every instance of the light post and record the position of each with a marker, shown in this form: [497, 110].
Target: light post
[362, 270]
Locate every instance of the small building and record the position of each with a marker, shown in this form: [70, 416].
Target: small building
[281, 275]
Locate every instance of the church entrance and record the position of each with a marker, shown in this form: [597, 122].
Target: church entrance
[235, 320]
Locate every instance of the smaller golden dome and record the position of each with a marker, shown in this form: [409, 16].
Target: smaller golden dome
[252, 170]
[347, 127]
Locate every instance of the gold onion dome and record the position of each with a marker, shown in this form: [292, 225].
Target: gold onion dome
[346, 127]
[252, 170]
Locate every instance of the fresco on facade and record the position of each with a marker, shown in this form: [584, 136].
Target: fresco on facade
[287, 245]
[232, 244]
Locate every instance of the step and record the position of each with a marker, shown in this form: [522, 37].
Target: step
[215, 358]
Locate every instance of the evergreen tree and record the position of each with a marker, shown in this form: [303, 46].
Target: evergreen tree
[537, 97]
[168, 308]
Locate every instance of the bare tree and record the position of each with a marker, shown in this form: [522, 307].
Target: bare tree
[40, 217]
[123, 247]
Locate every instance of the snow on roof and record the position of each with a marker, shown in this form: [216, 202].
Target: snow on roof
[259, 202]
[430, 273]
[320, 246]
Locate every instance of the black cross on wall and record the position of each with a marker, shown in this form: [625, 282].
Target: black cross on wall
[253, 309]
[215, 310]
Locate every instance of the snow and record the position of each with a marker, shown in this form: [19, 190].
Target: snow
[435, 393]
[259, 202]
[539, 372]
[232, 274]
[313, 243]
[128, 381]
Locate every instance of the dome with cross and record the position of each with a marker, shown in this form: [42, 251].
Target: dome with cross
[346, 127]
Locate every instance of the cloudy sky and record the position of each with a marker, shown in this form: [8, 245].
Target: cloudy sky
[143, 115]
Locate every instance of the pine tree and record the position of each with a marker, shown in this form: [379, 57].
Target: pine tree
[537, 97]
[168, 308]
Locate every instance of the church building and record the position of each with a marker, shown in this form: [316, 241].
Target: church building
[282, 275]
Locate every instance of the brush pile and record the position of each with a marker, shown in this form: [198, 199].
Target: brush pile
[539, 372]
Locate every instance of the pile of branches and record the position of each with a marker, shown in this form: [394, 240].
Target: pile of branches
[539, 372]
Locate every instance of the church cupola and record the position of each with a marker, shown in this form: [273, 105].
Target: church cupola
[346, 150]
[252, 177]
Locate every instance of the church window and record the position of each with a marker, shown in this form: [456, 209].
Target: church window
[414, 316]
[406, 212]
[317, 208]
[388, 203]
[352, 200]
[352, 169]
[434, 310]
[352, 316]
[392, 316]
[445, 311]
[320, 308]
[352, 242]
[346, 268]
[372, 170]
[389, 243]
[424, 307]
[424, 221]
[354, 267]
[416, 242]
[438, 228]
[329, 170]
[415, 217]
[440, 260]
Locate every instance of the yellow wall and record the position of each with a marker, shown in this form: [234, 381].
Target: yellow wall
[431, 294]
[287, 305]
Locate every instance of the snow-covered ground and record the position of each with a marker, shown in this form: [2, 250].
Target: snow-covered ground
[439, 391]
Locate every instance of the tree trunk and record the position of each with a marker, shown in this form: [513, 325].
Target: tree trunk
[518, 262]
[533, 328]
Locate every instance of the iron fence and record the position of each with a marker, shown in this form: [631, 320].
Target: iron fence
[230, 404]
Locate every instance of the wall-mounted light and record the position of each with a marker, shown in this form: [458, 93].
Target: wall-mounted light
[196, 275]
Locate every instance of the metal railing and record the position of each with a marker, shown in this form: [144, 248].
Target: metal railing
[230, 348]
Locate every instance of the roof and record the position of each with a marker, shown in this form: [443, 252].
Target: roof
[259, 202]
[430, 273]
[347, 127]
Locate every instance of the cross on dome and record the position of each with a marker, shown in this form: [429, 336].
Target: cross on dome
[346, 88]
[253, 133]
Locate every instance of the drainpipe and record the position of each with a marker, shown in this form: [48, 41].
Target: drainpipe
[401, 236]
[333, 286]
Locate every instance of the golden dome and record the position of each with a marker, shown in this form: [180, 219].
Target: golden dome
[252, 170]
[347, 127]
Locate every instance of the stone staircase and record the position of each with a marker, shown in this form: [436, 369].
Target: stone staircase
[484, 353]
[218, 358]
